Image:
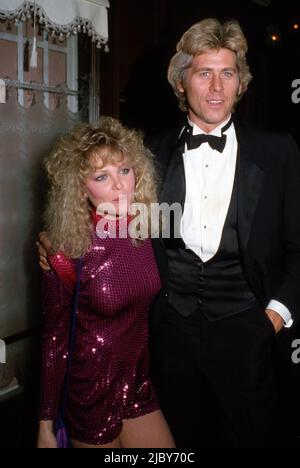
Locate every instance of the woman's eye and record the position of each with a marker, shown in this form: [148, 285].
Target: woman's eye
[101, 178]
[125, 170]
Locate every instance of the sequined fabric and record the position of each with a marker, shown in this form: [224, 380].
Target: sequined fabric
[109, 379]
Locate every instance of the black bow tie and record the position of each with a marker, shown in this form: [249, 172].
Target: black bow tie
[215, 142]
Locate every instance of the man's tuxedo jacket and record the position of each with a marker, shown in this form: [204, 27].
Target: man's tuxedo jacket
[268, 180]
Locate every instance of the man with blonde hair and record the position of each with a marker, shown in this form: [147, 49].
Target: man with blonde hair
[234, 270]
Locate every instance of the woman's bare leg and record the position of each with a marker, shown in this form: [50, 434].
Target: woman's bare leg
[148, 431]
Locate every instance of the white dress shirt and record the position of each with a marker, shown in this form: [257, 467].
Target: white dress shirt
[209, 178]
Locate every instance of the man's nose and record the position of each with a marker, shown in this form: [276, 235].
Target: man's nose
[216, 83]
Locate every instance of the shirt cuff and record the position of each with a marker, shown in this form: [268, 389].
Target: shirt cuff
[282, 311]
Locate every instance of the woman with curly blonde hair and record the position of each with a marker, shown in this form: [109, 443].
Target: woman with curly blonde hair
[94, 172]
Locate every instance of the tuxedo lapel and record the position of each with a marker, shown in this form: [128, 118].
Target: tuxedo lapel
[250, 183]
[174, 181]
[174, 187]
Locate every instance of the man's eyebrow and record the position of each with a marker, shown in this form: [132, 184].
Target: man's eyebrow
[212, 68]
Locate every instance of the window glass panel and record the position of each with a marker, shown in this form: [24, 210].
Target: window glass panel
[9, 59]
[8, 28]
[28, 31]
[57, 68]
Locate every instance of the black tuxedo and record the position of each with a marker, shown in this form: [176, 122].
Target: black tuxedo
[268, 230]
[268, 209]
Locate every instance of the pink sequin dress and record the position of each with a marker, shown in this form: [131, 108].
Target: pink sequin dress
[109, 379]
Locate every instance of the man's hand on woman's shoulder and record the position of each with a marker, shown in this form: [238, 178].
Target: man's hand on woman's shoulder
[44, 246]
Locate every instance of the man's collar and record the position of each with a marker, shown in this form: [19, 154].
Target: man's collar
[216, 131]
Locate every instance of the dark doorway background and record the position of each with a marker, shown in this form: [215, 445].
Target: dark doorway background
[144, 36]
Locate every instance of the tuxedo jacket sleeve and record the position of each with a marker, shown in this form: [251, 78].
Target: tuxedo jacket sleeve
[270, 238]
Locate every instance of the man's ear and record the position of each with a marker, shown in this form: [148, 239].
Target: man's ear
[240, 89]
[179, 87]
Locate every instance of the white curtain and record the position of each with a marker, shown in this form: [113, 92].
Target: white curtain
[26, 136]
